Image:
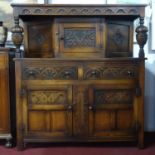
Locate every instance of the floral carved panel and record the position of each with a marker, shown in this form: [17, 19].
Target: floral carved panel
[79, 38]
[113, 96]
[47, 97]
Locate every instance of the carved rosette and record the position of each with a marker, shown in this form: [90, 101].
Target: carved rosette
[17, 36]
[141, 37]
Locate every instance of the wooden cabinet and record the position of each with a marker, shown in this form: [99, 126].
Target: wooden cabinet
[5, 132]
[77, 80]
[68, 100]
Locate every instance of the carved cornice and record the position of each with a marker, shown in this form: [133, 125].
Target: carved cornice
[82, 10]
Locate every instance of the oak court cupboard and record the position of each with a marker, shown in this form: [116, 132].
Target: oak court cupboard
[77, 79]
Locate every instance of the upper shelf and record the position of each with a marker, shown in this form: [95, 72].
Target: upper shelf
[79, 10]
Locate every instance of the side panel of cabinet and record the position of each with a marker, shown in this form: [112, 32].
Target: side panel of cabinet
[112, 111]
[4, 94]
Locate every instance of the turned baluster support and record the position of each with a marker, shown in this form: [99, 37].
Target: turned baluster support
[17, 36]
[141, 37]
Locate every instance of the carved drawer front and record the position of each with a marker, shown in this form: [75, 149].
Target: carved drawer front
[110, 71]
[48, 110]
[51, 73]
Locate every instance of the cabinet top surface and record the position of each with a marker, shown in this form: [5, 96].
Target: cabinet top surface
[83, 59]
[69, 5]
[78, 9]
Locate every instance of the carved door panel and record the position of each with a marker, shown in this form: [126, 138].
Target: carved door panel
[119, 42]
[80, 38]
[112, 110]
[38, 38]
[48, 111]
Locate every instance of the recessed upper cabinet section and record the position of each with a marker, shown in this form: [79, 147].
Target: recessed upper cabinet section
[78, 31]
[79, 37]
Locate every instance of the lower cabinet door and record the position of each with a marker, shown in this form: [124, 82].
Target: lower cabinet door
[112, 111]
[47, 111]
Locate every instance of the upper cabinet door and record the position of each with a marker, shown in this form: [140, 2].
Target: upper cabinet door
[119, 38]
[38, 38]
[80, 37]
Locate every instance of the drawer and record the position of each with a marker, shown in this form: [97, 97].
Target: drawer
[51, 73]
[110, 71]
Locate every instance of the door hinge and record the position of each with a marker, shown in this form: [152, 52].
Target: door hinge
[138, 91]
[101, 28]
[22, 92]
[22, 128]
[137, 127]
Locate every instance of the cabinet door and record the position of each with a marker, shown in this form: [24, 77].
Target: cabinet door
[80, 38]
[37, 39]
[112, 111]
[119, 39]
[4, 93]
[47, 111]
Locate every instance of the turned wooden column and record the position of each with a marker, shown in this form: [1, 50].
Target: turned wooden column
[17, 36]
[141, 37]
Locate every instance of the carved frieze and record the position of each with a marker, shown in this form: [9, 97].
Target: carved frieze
[76, 10]
[48, 73]
[47, 97]
[113, 96]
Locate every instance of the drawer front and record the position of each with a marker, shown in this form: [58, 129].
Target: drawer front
[80, 70]
[51, 73]
[110, 71]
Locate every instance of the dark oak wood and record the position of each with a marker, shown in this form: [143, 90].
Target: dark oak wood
[78, 80]
[5, 132]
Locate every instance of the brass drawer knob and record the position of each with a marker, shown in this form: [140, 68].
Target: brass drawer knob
[67, 74]
[130, 73]
[70, 107]
[94, 73]
[31, 73]
[90, 107]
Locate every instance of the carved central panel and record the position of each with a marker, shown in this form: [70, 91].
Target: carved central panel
[47, 97]
[79, 38]
[113, 96]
